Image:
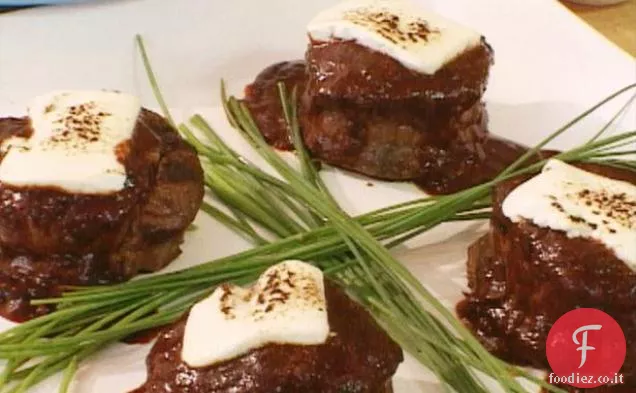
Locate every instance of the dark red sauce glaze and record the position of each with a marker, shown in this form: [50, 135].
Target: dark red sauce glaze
[462, 168]
[394, 139]
[27, 277]
[51, 238]
[359, 357]
[144, 336]
[263, 100]
[523, 278]
[354, 73]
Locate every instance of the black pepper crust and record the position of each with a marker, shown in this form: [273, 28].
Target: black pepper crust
[358, 357]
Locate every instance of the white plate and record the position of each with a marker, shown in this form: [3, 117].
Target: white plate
[549, 67]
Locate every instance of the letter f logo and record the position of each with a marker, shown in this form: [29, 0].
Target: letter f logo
[569, 343]
[583, 344]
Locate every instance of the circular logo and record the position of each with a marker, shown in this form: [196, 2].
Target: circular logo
[586, 348]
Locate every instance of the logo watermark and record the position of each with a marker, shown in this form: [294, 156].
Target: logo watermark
[586, 348]
[576, 379]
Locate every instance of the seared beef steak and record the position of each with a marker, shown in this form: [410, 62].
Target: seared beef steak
[50, 237]
[523, 278]
[362, 110]
[358, 357]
